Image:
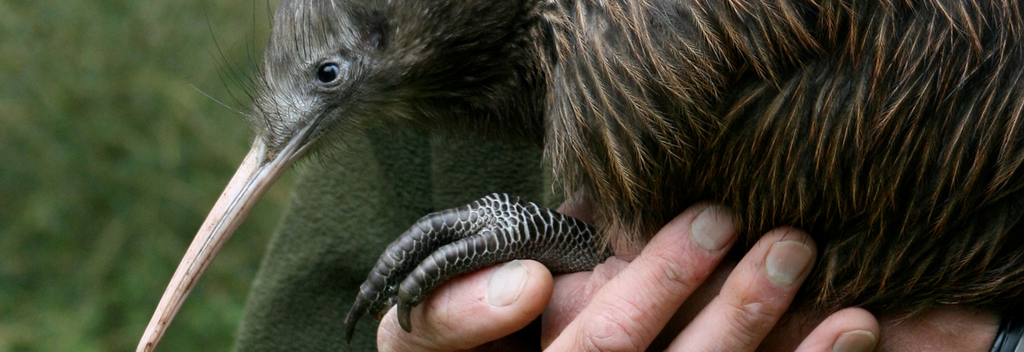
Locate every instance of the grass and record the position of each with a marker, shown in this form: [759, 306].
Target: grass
[111, 157]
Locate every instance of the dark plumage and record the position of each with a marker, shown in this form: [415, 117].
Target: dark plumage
[890, 130]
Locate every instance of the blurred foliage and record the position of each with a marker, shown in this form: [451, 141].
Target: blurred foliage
[111, 156]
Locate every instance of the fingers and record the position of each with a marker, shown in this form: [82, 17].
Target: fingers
[848, 330]
[629, 311]
[756, 294]
[572, 293]
[472, 310]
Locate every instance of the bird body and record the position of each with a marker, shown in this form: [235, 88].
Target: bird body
[889, 130]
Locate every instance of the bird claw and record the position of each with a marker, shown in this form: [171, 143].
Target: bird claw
[491, 230]
[403, 317]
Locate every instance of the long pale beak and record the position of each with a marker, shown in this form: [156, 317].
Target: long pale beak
[253, 178]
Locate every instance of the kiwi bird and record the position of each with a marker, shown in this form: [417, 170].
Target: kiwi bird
[892, 131]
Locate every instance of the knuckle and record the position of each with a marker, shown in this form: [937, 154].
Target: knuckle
[749, 320]
[675, 275]
[679, 274]
[613, 330]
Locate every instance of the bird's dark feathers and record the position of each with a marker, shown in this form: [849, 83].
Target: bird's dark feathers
[892, 131]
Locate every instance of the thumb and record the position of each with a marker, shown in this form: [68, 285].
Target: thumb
[472, 310]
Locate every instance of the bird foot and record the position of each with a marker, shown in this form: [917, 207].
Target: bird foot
[494, 229]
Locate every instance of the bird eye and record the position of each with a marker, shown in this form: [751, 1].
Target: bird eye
[328, 72]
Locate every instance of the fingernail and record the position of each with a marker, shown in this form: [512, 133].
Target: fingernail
[786, 261]
[712, 229]
[507, 283]
[855, 341]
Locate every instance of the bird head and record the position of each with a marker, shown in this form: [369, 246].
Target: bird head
[333, 67]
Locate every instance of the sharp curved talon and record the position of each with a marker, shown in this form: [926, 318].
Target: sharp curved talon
[353, 316]
[403, 317]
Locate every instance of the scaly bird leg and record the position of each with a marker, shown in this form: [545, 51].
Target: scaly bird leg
[494, 229]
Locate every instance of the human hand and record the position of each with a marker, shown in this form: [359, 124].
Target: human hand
[626, 306]
[475, 312]
[604, 311]
[943, 328]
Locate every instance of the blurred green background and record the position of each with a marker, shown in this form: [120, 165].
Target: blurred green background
[109, 161]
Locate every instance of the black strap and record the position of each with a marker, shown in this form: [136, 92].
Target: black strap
[1008, 339]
